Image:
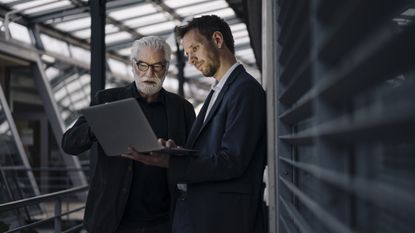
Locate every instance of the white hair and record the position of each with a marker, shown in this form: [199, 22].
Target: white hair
[154, 42]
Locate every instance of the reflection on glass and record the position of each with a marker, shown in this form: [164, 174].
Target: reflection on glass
[14, 181]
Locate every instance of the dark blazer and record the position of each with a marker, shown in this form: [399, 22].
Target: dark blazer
[225, 188]
[111, 177]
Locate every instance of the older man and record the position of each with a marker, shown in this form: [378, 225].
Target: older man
[126, 195]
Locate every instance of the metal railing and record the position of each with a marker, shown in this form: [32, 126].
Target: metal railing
[57, 218]
[48, 179]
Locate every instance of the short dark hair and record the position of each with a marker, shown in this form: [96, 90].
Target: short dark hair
[207, 25]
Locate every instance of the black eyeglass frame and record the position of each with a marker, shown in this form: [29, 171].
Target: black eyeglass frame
[147, 66]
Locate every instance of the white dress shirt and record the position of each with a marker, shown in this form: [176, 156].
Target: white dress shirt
[217, 87]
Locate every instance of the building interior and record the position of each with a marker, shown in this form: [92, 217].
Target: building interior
[340, 84]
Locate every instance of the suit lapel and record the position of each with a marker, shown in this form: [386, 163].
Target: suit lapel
[199, 124]
[199, 121]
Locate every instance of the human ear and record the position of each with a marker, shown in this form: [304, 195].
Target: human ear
[217, 38]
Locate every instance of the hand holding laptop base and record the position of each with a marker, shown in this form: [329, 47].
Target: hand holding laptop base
[159, 159]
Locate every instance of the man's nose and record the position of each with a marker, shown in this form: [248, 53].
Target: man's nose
[192, 59]
[150, 71]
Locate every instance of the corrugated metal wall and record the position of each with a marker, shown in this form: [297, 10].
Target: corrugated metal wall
[346, 116]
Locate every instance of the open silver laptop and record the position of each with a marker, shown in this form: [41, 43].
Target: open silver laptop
[120, 124]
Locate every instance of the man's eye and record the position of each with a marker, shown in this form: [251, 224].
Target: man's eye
[141, 65]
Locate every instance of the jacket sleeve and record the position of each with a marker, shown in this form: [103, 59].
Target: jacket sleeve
[244, 132]
[79, 137]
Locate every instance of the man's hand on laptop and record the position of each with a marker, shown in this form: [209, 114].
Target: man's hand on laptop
[154, 158]
[168, 144]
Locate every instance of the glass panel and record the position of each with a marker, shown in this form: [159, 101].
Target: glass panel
[224, 13]
[145, 20]
[203, 7]
[20, 32]
[55, 45]
[80, 54]
[31, 4]
[110, 28]
[125, 52]
[117, 67]
[8, 1]
[181, 3]
[157, 28]
[125, 13]
[83, 34]
[119, 36]
[74, 24]
[14, 179]
[47, 7]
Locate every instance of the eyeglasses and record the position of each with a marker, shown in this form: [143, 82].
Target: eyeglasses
[142, 66]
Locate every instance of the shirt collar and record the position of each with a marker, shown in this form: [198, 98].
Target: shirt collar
[217, 85]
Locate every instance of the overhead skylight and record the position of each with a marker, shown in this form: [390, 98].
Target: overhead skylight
[51, 72]
[145, 20]
[20, 32]
[225, 13]
[157, 28]
[181, 3]
[80, 54]
[72, 83]
[111, 28]
[86, 33]
[83, 34]
[8, 1]
[48, 58]
[111, 38]
[54, 45]
[47, 7]
[139, 10]
[203, 7]
[124, 52]
[74, 24]
[32, 4]
[117, 67]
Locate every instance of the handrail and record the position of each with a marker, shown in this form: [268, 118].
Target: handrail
[56, 196]
[65, 169]
[31, 225]
[35, 200]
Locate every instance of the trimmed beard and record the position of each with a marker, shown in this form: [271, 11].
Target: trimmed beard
[213, 56]
[150, 89]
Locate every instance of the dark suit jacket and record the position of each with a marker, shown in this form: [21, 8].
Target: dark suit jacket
[225, 188]
[111, 177]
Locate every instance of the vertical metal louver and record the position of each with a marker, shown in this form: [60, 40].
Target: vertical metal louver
[346, 116]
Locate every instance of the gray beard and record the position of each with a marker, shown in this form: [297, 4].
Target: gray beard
[150, 90]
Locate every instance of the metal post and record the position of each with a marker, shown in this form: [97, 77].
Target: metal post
[97, 46]
[269, 82]
[180, 68]
[58, 220]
